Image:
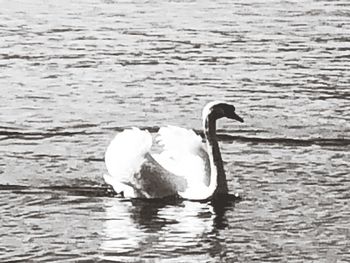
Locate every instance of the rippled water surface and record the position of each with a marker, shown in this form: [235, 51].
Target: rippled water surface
[73, 73]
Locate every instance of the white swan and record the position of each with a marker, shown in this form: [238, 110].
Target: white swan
[184, 168]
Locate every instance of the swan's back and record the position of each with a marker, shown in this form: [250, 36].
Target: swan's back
[183, 154]
[179, 140]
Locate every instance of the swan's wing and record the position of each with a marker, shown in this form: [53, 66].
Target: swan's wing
[125, 154]
[132, 169]
[183, 154]
[124, 157]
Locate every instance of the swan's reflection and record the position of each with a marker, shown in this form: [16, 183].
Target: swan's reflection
[154, 229]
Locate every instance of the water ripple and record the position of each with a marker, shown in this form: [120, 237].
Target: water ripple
[10, 134]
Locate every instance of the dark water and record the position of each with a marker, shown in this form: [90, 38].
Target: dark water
[72, 74]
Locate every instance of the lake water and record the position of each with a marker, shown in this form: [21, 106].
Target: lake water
[73, 73]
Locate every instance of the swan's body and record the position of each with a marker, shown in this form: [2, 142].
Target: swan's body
[184, 168]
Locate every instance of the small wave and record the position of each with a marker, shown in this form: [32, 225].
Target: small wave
[33, 135]
[64, 29]
[17, 56]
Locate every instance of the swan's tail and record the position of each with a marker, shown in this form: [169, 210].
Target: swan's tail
[125, 156]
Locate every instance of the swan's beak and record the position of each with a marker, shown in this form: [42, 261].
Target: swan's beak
[236, 117]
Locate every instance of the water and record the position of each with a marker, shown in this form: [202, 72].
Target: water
[72, 74]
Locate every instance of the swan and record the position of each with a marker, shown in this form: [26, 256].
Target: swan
[184, 168]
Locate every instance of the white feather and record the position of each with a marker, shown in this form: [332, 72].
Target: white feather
[182, 167]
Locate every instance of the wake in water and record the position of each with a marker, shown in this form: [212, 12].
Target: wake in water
[89, 191]
[98, 191]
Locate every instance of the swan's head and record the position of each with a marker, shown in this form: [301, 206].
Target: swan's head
[220, 109]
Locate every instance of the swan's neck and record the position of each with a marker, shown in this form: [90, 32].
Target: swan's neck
[217, 173]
